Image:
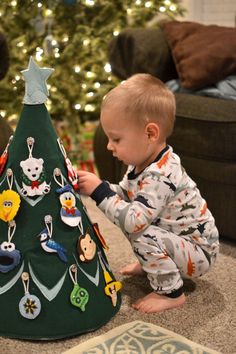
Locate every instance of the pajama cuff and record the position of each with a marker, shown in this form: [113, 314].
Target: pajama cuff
[101, 192]
[175, 293]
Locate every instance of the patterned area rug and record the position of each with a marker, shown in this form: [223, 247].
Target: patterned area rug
[140, 338]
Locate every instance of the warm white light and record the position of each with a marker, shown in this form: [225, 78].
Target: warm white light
[89, 108]
[97, 85]
[148, 4]
[54, 42]
[24, 50]
[39, 4]
[89, 2]
[77, 106]
[57, 55]
[38, 55]
[48, 12]
[89, 74]
[13, 3]
[86, 42]
[173, 8]
[167, 2]
[20, 44]
[84, 86]
[65, 38]
[115, 33]
[138, 2]
[3, 113]
[107, 68]
[17, 77]
[162, 9]
[90, 94]
[77, 69]
[54, 89]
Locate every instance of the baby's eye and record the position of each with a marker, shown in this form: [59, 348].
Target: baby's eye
[116, 140]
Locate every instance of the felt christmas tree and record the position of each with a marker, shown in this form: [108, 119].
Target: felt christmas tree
[55, 280]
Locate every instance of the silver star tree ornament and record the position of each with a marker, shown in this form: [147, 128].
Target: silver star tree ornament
[36, 91]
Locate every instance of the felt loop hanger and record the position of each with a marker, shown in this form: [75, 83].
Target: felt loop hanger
[30, 144]
[11, 230]
[58, 175]
[9, 174]
[48, 223]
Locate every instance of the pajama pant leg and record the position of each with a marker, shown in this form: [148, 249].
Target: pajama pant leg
[168, 258]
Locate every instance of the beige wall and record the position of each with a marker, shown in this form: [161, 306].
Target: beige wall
[217, 12]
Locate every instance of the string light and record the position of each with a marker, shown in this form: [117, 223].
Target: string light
[86, 42]
[89, 108]
[77, 106]
[148, 4]
[3, 113]
[97, 85]
[77, 69]
[38, 55]
[162, 9]
[90, 74]
[116, 33]
[13, 3]
[89, 2]
[172, 8]
[107, 68]
[20, 44]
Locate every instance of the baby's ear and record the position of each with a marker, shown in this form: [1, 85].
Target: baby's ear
[152, 131]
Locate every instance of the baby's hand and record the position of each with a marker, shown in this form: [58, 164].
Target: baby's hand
[88, 182]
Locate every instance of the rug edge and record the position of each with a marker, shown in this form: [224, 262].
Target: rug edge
[117, 330]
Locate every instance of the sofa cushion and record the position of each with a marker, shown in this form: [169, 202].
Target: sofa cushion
[205, 127]
[203, 54]
[137, 50]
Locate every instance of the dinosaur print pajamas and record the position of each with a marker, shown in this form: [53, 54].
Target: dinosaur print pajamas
[165, 218]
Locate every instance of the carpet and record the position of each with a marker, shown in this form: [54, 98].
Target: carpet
[139, 337]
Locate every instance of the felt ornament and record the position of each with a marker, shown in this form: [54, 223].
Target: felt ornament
[100, 237]
[69, 213]
[9, 200]
[86, 248]
[33, 177]
[36, 88]
[9, 256]
[72, 175]
[47, 242]
[79, 297]
[4, 156]
[29, 305]
[112, 286]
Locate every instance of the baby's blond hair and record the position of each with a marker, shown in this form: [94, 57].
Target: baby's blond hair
[146, 99]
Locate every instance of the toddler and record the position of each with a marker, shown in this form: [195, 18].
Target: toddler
[157, 205]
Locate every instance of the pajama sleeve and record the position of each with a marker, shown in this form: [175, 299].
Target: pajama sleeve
[135, 215]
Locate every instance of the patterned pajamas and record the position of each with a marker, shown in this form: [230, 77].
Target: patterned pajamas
[168, 258]
[166, 220]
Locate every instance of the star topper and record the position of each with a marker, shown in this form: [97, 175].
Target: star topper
[36, 91]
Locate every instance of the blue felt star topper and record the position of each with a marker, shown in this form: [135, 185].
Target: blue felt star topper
[36, 91]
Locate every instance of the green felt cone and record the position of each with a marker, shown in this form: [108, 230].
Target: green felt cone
[52, 278]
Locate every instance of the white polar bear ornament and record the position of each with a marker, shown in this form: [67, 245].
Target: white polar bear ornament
[33, 178]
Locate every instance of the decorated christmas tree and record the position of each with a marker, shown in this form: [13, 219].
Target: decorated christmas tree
[71, 36]
[55, 280]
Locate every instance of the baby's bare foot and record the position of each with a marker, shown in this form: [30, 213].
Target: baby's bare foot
[154, 302]
[132, 269]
